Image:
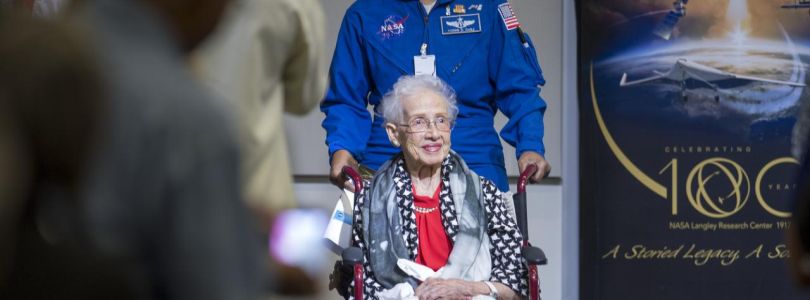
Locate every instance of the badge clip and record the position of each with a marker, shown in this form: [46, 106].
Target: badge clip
[423, 63]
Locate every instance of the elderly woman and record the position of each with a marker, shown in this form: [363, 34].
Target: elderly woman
[426, 206]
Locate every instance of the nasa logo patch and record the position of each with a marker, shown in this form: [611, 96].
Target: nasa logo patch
[393, 26]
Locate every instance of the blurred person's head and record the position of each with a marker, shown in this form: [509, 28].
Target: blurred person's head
[49, 104]
[49, 78]
[191, 20]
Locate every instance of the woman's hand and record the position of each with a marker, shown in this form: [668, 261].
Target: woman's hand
[436, 288]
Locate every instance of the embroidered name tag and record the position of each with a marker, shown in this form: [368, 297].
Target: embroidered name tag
[460, 24]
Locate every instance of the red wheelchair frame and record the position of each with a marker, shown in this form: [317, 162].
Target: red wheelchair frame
[533, 256]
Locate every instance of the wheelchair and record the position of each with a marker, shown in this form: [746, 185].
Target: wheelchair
[351, 262]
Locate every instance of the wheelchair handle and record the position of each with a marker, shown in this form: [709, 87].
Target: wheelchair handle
[355, 177]
[524, 177]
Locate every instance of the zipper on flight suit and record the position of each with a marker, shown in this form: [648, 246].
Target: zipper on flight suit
[426, 19]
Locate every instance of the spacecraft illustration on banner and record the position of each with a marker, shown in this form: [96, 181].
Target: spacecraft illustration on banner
[738, 65]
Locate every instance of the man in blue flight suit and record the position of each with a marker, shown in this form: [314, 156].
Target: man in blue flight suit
[476, 46]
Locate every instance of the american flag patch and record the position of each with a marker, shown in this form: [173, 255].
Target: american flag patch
[508, 16]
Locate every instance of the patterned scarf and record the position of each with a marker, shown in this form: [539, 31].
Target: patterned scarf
[386, 238]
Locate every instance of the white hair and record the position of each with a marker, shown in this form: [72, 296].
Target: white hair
[409, 86]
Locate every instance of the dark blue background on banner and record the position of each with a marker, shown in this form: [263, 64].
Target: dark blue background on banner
[722, 137]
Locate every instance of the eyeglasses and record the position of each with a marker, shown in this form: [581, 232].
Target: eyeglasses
[421, 124]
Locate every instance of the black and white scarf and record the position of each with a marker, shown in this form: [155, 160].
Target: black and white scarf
[388, 241]
[508, 267]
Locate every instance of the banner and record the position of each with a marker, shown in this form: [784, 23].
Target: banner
[687, 111]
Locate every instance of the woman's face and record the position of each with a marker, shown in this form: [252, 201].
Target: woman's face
[423, 146]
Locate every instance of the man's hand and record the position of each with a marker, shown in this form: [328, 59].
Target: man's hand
[340, 159]
[534, 158]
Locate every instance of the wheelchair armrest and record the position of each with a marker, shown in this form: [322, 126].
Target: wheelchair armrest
[534, 255]
[352, 256]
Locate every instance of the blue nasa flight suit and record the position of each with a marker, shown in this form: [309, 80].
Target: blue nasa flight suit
[484, 61]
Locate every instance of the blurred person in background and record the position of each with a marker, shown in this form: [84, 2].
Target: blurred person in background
[265, 59]
[164, 189]
[50, 100]
[798, 233]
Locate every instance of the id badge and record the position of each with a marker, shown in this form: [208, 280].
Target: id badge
[424, 65]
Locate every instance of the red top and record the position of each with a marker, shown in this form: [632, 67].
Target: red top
[434, 245]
